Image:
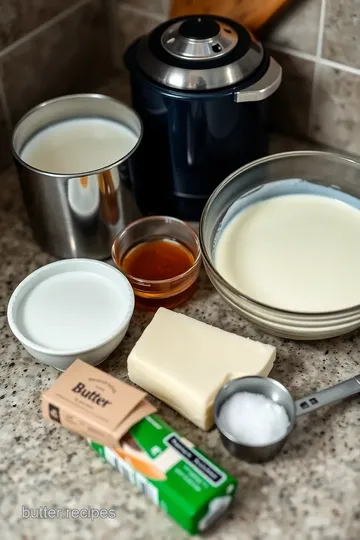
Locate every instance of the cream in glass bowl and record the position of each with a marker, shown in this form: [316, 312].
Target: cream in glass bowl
[279, 240]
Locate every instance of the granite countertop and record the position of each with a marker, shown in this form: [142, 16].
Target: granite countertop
[310, 491]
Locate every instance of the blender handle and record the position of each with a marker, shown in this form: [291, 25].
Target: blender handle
[327, 396]
[264, 87]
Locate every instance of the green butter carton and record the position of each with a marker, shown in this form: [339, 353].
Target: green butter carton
[170, 471]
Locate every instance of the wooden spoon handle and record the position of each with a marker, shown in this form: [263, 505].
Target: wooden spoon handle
[252, 14]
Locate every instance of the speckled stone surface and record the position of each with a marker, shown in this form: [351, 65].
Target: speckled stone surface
[310, 491]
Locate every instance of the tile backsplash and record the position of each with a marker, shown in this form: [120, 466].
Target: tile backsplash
[317, 43]
[52, 48]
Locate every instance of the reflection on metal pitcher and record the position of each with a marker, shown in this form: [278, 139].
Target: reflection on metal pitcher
[84, 196]
[88, 194]
[109, 188]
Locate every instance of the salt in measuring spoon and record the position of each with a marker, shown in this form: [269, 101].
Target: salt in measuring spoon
[277, 392]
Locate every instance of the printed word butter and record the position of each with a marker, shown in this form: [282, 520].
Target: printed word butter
[93, 404]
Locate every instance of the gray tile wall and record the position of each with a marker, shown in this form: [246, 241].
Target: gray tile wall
[342, 32]
[323, 34]
[318, 44]
[48, 48]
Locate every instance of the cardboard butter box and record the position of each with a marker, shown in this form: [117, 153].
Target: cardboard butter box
[120, 426]
[94, 404]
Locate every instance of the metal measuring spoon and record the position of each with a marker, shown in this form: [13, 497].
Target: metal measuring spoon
[279, 394]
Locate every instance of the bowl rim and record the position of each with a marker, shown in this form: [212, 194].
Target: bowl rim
[72, 97]
[139, 281]
[273, 157]
[26, 342]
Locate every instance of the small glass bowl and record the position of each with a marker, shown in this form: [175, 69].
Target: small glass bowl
[171, 292]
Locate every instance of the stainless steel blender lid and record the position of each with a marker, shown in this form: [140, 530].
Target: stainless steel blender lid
[199, 52]
[199, 39]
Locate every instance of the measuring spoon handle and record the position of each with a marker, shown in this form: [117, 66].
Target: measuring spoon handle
[327, 396]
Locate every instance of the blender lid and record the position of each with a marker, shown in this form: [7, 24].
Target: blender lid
[199, 52]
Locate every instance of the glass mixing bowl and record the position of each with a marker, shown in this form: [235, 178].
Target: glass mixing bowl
[246, 184]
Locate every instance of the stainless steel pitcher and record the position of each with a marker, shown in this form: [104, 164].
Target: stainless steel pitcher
[77, 216]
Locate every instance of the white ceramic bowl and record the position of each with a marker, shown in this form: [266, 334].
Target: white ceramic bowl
[75, 308]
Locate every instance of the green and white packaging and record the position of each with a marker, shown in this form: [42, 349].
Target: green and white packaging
[173, 473]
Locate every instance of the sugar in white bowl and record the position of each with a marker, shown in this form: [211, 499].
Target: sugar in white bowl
[253, 419]
[69, 309]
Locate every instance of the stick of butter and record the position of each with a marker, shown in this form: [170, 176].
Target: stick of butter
[185, 362]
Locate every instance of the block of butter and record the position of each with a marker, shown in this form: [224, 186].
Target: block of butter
[185, 362]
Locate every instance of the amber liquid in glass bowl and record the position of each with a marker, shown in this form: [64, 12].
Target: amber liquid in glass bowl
[161, 269]
[157, 259]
